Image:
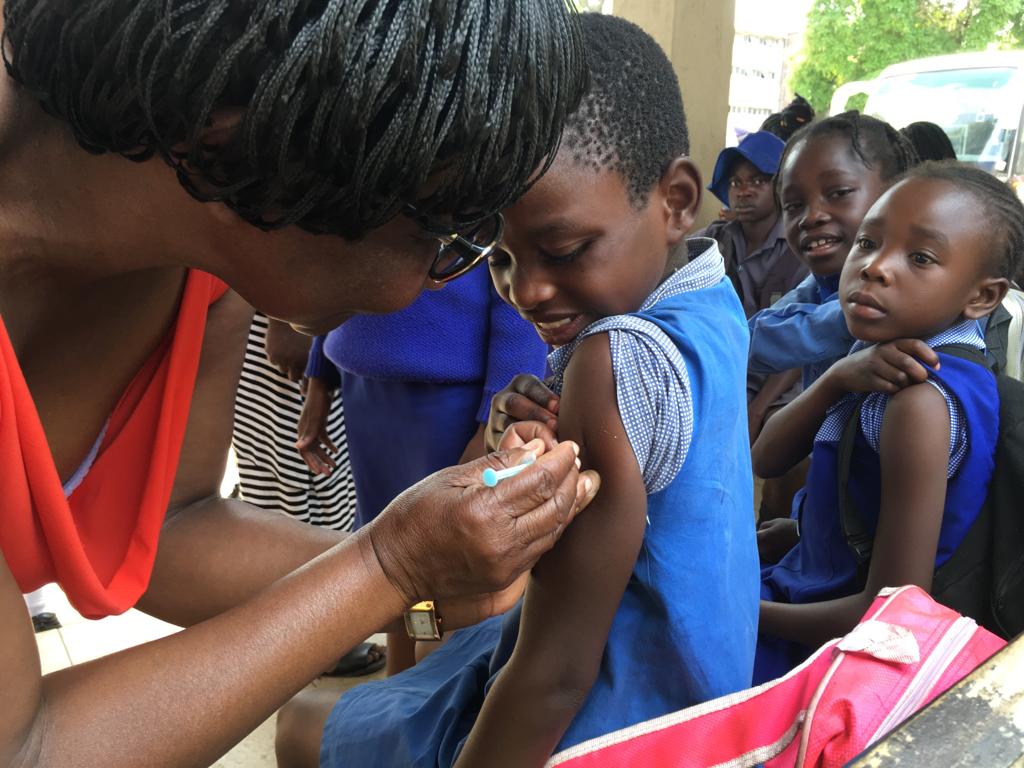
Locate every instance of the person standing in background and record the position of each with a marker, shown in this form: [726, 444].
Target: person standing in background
[417, 387]
[267, 408]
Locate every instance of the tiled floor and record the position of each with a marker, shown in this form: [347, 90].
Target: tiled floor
[81, 640]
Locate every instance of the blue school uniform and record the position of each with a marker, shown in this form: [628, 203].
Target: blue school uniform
[822, 567]
[686, 627]
[804, 329]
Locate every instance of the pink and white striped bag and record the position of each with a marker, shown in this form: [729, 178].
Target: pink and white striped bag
[853, 691]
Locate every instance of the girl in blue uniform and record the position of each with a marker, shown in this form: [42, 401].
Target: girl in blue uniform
[649, 604]
[933, 256]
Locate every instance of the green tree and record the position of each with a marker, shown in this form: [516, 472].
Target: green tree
[856, 39]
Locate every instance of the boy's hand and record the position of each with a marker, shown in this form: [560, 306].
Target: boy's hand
[885, 367]
[775, 538]
[313, 443]
[527, 398]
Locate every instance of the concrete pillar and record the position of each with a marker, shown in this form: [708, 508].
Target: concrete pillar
[697, 35]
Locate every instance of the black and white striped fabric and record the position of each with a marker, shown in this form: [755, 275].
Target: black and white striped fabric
[271, 473]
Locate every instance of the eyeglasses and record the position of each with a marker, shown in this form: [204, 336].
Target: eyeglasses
[459, 251]
[755, 183]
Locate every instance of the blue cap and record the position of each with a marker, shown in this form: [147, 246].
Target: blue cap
[762, 149]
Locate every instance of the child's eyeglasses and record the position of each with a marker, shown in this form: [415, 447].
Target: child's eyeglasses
[459, 251]
[755, 183]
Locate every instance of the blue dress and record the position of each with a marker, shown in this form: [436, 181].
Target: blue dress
[418, 383]
[686, 627]
[821, 566]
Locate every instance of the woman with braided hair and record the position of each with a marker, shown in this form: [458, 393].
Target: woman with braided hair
[316, 159]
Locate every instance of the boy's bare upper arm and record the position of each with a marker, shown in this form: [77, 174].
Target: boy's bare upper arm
[576, 588]
[914, 456]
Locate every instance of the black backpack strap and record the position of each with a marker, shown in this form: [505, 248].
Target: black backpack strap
[967, 352]
[856, 535]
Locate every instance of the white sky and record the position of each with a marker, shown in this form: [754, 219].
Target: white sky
[772, 16]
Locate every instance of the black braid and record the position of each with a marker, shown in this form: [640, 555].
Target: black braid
[997, 203]
[930, 141]
[792, 118]
[345, 108]
[874, 141]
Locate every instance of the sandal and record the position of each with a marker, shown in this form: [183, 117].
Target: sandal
[43, 622]
[358, 662]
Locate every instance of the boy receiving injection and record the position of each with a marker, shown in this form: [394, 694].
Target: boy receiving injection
[649, 604]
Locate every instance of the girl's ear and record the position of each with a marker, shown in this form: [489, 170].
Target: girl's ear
[987, 295]
[680, 189]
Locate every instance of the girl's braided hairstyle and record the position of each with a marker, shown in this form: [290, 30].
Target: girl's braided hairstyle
[929, 140]
[877, 144]
[343, 109]
[997, 204]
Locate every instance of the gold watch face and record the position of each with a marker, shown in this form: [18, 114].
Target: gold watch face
[421, 622]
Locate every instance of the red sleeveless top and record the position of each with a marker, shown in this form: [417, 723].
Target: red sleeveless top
[99, 545]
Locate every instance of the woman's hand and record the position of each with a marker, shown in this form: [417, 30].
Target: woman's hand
[527, 398]
[313, 443]
[287, 349]
[452, 536]
[885, 367]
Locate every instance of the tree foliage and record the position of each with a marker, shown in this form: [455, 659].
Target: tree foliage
[856, 39]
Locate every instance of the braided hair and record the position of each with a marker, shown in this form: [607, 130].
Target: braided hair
[877, 144]
[631, 121]
[791, 119]
[997, 203]
[930, 141]
[342, 109]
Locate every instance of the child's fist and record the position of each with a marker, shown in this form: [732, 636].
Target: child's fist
[527, 398]
[885, 367]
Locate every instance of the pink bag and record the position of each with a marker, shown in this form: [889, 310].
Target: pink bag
[906, 651]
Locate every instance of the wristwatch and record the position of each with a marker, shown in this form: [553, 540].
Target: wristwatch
[422, 622]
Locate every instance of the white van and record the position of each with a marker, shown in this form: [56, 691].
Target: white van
[977, 98]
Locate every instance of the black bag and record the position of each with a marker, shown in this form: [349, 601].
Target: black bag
[984, 577]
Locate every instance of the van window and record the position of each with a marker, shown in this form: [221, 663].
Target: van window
[975, 107]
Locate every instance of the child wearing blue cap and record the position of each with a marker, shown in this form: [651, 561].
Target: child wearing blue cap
[757, 257]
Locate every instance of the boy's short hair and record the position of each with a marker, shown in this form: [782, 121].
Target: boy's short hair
[998, 204]
[345, 108]
[631, 120]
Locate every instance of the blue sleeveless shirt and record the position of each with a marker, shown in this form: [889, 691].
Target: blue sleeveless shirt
[821, 566]
[686, 628]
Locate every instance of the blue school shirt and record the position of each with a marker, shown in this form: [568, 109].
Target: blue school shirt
[821, 566]
[804, 329]
[686, 627]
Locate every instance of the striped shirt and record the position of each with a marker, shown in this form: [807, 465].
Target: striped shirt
[272, 475]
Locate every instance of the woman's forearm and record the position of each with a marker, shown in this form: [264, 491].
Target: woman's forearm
[186, 699]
